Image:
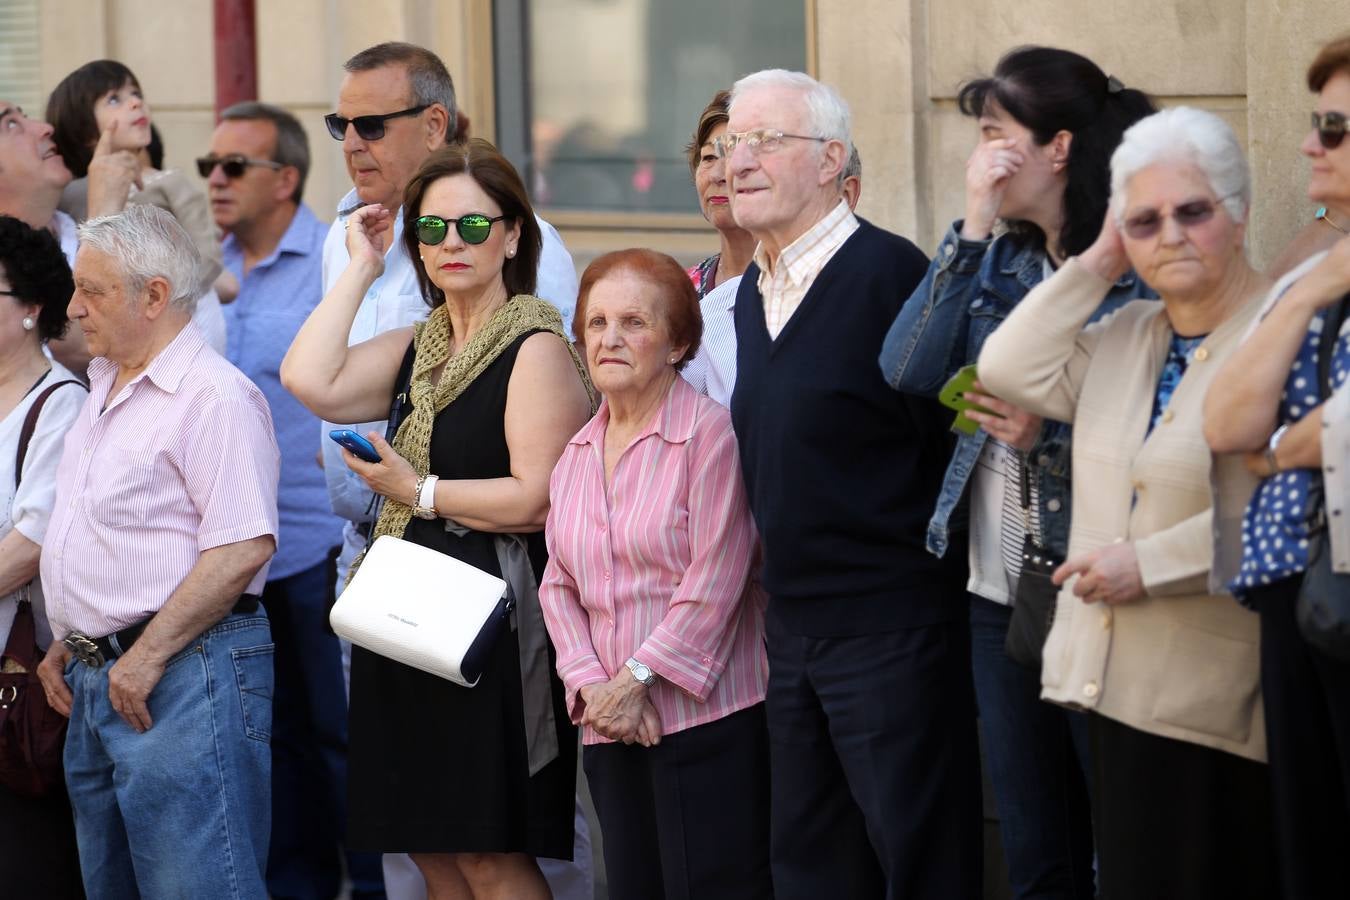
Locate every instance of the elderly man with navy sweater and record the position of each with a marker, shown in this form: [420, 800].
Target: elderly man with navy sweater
[875, 773]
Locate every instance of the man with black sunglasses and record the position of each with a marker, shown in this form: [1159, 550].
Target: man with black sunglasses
[273, 245]
[396, 106]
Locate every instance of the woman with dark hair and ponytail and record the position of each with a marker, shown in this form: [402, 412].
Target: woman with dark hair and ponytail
[1037, 187]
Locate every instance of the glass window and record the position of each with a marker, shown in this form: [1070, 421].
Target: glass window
[20, 64]
[605, 93]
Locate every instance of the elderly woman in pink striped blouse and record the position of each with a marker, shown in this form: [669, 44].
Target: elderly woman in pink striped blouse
[650, 599]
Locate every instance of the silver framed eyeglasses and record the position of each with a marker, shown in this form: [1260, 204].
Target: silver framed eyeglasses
[761, 140]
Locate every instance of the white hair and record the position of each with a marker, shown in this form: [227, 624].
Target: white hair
[826, 112]
[1183, 134]
[146, 242]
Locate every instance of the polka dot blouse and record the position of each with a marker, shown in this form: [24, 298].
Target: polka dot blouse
[1276, 526]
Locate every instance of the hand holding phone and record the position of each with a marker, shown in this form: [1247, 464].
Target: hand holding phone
[359, 446]
[953, 395]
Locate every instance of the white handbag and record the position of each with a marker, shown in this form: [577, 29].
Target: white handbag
[424, 609]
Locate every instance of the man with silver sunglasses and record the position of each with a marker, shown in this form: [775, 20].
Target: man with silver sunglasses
[396, 106]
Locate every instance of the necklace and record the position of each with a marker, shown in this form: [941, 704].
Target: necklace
[1324, 216]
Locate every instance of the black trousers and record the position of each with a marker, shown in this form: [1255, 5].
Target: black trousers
[1307, 699]
[38, 857]
[687, 819]
[875, 766]
[1174, 819]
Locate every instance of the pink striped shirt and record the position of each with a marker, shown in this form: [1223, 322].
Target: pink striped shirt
[659, 567]
[182, 460]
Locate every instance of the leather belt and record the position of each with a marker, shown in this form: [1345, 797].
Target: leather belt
[94, 652]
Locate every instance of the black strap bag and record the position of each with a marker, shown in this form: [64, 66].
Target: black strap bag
[1323, 610]
[1034, 603]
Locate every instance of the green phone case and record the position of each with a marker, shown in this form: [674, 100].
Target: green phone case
[953, 397]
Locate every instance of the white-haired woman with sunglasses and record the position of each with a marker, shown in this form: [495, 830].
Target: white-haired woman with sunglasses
[1269, 402]
[1166, 668]
[474, 783]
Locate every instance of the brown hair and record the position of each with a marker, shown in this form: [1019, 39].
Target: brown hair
[684, 322]
[714, 114]
[70, 109]
[1334, 57]
[499, 180]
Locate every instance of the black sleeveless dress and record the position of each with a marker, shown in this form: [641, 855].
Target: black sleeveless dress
[438, 768]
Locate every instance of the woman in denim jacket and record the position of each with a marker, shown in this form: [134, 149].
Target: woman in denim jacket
[1049, 120]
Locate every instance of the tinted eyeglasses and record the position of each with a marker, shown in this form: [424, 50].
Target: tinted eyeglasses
[1147, 222]
[368, 128]
[473, 228]
[1330, 128]
[232, 164]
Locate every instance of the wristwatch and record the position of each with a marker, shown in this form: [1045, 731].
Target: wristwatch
[1273, 446]
[424, 498]
[642, 673]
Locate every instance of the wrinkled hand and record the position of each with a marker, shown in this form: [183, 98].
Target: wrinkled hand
[649, 729]
[391, 477]
[52, 673]
[130, 681]
[1109, 574]
[991, 165]
[368, 231]
[1010, 424]
[618, 709]
[1106, 257]
[112, 173]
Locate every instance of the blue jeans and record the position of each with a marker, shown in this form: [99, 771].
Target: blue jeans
[1037, 755]
[184, 809]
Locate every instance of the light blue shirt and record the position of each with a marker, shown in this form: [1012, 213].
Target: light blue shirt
[275, 298]
[395, 301]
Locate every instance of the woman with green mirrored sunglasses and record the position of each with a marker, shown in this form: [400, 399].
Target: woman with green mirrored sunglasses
[474, 228]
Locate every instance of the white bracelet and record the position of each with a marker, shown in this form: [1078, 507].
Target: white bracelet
[426, 496]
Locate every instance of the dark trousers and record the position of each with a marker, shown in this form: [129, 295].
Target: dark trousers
[38, 856]
[1176, 819]
[1307, 697]
[687, 819]
[309, 746]
[1038, 760]
[874, 764]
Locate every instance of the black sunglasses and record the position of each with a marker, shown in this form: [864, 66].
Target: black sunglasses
[1146, 223]
[1330, 128]
[368, 128]
[232, 164]
[473, 228]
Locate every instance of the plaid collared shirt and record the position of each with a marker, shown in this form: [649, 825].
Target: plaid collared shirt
[784, 286]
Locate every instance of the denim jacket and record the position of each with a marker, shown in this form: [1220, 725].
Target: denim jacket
[970, 288]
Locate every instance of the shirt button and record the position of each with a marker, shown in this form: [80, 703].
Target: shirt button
[1106, 620]
[1168, 415]
[1043, 460]
[1053, 505]
[1201, 354]
[607, 575]
[1090, 690]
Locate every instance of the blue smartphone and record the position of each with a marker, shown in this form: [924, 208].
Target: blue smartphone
[360, 447]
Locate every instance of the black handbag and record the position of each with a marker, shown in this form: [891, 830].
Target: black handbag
[1034, 603]
[1323, 610]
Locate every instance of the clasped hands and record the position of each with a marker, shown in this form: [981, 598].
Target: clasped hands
[621, 710]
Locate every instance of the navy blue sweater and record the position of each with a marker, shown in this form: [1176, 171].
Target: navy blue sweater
[843, 472]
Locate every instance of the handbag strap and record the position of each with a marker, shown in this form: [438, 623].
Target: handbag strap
[1024, 479]
[30, 425]
[22, 644]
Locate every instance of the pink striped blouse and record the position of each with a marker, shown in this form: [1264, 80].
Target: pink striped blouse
[659, 567]
[183, 459]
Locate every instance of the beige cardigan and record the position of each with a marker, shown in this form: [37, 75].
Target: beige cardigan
[1181, 663]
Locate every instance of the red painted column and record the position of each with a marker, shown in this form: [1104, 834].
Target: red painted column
[236, 53]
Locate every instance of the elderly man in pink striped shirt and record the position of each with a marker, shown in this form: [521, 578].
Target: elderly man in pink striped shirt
[164, 523]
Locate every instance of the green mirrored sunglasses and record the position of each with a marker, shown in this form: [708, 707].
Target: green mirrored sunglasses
[474, 228]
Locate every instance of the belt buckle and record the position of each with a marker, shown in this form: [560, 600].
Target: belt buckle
[85, 650]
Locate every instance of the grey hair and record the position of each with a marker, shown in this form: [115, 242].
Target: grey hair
[292, 146]
[827, 112]
[852, 168]
[146, 242]
[1184, 134]
[428, 76]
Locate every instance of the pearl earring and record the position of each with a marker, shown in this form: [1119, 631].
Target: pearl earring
[28, 323]
[510, 253]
